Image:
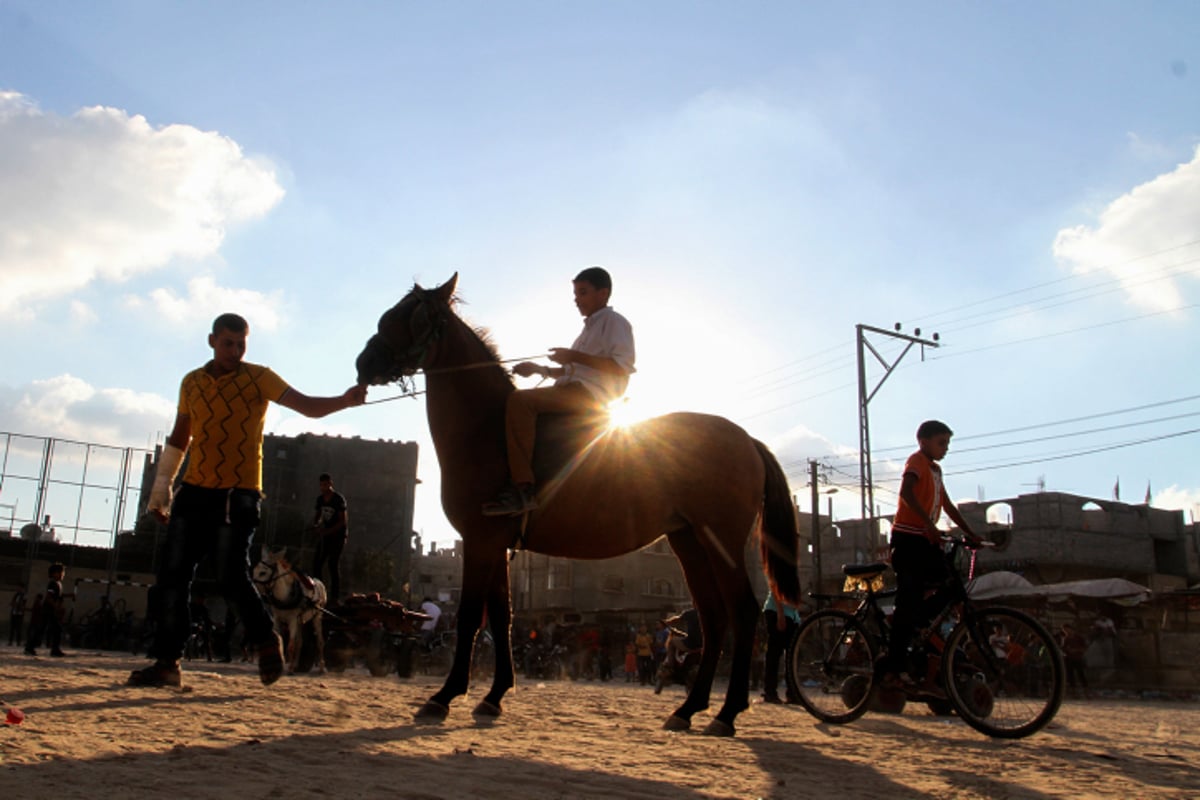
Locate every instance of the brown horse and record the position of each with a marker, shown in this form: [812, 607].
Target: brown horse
[700, 480]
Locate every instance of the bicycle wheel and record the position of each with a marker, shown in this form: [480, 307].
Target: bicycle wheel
[831, 666]
[1003, 673]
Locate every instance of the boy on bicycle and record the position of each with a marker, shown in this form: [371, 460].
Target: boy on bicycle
[917, 557]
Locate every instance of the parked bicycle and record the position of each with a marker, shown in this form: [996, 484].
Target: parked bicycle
[1001, 670]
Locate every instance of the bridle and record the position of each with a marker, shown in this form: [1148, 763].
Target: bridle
[268, 586]
[411, 359]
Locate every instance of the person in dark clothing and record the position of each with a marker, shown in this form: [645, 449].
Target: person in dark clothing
[53, 611]
[332, 526]
[782, 621]
[16, 617]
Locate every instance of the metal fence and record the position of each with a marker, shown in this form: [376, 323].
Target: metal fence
[77, 493]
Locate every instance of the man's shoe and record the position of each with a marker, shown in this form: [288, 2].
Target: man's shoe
[512, 501]
[160, 673]
[773, 699]
[270, 660]
[58, 654]
[29, 651]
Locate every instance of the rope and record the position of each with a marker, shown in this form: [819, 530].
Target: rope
[443, 370]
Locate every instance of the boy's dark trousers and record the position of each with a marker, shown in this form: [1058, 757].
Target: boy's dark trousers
[329, 550]
[777, 642]
[919, 566]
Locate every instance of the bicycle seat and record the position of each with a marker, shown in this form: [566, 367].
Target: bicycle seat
[861, 570]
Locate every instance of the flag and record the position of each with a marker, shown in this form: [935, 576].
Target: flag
[1117, 489]
[1147, 492]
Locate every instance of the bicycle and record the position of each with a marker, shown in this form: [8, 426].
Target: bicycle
[1001, 670]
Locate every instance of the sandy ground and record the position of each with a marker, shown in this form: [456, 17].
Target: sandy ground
[87, 735]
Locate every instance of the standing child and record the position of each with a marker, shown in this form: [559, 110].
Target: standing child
[916, 556]
[54, 610]
[631, 664]
[16, 617]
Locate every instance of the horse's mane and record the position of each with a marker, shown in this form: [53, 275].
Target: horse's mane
[484, 335]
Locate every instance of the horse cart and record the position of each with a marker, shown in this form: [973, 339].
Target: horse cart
[368, 629]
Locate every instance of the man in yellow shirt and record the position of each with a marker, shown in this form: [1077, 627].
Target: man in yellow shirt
[222, 406]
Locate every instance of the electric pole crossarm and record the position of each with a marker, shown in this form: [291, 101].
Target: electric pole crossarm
[866, 481]
[889, 367]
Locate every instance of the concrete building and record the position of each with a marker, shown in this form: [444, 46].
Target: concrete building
[1051, 537]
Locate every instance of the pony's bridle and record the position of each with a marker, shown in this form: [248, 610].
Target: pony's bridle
[269, 587]
[276, 574]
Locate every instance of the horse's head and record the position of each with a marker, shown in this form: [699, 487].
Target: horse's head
[270, 565]
[407, 335]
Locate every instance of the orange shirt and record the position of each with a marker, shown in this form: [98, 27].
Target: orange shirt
[928, 489]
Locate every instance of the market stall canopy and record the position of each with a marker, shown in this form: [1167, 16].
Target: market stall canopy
[1009, 584]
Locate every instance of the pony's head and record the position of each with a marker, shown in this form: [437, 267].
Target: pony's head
[270, 565]
[407, 334]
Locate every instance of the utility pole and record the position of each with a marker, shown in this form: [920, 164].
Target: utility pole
[866, 484]
[816, 526]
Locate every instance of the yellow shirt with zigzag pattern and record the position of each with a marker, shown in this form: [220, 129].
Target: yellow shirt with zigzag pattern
[227, 415]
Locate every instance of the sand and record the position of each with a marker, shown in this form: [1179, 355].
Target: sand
[88, 735]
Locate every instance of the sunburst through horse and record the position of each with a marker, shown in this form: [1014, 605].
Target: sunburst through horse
[291, 606]
[700, 480]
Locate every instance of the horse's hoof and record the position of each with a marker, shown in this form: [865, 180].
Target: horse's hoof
[486, 709]
[432, 712]
[677, 723]
[718, 728]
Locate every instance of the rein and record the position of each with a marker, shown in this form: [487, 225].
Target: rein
[441, 371]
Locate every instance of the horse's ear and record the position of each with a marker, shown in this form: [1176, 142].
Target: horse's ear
[446, 290]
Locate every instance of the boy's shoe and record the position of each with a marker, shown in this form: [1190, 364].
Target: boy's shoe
[58, 653]
[897, 682]
[772, 699]
[930, 691]
[270, 660]
[160, 673]
[512, 501]
[29, 651]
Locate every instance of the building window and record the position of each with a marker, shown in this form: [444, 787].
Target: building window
[659, 587]
[613, 583]
[559, 577]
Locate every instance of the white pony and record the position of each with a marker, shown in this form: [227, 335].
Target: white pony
[291, 606]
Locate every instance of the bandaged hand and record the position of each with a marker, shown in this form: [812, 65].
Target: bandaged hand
[161, 493]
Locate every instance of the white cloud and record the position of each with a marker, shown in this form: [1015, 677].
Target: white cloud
[70, 408]
[1177, 497]
[82, 314]
[1154, 217]
[205, 300]
[104, 195]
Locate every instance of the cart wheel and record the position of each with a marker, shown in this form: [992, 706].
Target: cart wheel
[381, 654]
[339, 652]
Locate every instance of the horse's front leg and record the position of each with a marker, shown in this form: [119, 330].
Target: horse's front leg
[295, 631]
[478, 568]
[500, 621]
[320, 642]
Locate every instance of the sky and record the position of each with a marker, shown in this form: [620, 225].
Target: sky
[1021, 178]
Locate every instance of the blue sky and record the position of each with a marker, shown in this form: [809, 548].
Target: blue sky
[1023, 178]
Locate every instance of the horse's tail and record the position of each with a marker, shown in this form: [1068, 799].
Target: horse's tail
[779, 535]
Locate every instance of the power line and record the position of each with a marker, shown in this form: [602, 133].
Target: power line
[1063, 456]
